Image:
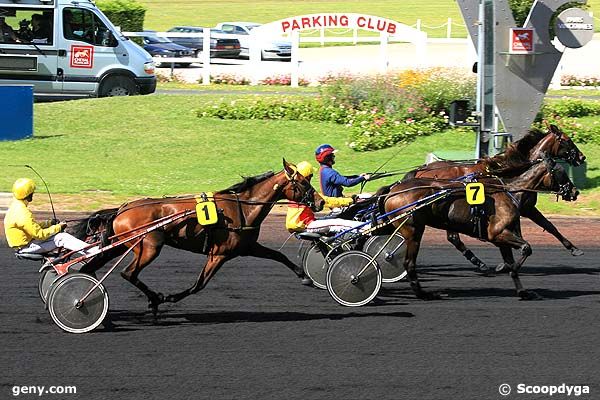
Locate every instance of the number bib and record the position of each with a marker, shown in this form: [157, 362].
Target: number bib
[475, 193]
[206, 209]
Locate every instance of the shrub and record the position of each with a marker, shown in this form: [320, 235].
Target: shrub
[571, 108]
[126, 14]
[229, 79]
[572, 80]
[283, 80]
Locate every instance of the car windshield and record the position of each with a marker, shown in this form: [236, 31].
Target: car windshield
[156, 39]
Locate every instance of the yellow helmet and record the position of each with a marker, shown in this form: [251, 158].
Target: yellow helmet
[305, 168]
[22, 188]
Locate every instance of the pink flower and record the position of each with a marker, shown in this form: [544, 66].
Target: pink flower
[410, 110]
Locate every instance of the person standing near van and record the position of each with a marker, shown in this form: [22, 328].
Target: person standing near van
[332, 182]
[7, 34]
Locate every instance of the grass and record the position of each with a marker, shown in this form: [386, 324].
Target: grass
[105, 151]
[162, 15]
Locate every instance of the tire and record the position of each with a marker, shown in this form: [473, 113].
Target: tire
[391, 259]
[353, 278]
[70, 316]
[315, 267]
[118, 85]
[47, 278]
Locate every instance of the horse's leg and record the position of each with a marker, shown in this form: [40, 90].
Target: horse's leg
[144, 254]
[413, 235]
[210, 269]
[482, 268]
[506, 241]
[536, 216]
[260, 251]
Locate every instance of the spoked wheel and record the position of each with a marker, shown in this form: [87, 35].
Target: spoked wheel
[315, 267]
[353, 278]
[71, 314]
[47, 278]
[391, 258]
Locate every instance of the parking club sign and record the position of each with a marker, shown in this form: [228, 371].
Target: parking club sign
[82, 56]
[521, 40]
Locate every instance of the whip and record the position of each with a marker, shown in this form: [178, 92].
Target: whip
[43, 181]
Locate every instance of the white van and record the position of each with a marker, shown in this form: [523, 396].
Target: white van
[68, 47]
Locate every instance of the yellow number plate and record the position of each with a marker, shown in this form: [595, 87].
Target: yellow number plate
[207, 213]
[475, 193]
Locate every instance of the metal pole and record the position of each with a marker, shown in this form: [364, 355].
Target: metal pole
[485, 77]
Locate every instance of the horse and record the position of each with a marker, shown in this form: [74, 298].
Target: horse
[499, 224]
[241, 210]
[554, 143]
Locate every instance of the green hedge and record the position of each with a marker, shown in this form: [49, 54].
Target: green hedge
[126, 14]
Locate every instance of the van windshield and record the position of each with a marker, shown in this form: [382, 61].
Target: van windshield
[28, 25]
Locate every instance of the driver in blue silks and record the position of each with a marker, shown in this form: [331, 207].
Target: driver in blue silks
[332, 182]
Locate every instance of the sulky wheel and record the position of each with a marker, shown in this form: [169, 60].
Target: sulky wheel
[71, 314]
[353, 278]
[47, 278]
[315, 267]
[391, 258]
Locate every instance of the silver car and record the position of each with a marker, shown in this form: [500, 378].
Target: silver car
[271, 49]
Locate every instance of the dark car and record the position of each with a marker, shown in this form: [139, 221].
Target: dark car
[220, 44]
[162, 47]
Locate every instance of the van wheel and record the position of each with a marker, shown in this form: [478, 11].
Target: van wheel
[118, 86]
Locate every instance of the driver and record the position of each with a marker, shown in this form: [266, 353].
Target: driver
[26, 235]
[301, 218]
[332, 182]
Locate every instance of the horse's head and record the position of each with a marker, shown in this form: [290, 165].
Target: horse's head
[557, 180]
[298, 188]
[559, 145]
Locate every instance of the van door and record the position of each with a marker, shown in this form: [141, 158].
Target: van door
[32, 57]
[87, 49]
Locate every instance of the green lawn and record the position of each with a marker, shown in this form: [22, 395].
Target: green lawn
[163, 14]
[120, 148]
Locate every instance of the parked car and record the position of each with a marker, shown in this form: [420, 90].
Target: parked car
[271, 49]
[159, 46]
[221, 45]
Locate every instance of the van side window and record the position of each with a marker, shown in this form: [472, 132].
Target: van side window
[85, 26]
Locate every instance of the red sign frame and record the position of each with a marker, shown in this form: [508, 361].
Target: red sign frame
[82, 56]
[521, 41]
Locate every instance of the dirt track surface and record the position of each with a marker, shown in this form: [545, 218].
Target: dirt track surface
[256, 333]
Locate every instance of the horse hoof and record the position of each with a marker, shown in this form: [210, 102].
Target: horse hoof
[529, 295]
[484, 270]
[575, 252]
[502, 267]
[307, 281]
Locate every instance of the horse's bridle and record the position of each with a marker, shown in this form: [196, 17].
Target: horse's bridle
[309, 193]
[564, 189]
[571, 155]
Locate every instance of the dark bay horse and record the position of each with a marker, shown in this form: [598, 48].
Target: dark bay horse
[499, 224]
[555, 143]
[242, 209]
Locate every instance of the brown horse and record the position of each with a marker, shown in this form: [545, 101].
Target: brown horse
[555, 143]
[499, 223]
[241, 210]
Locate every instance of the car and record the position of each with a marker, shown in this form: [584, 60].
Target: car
[221, 45]
[159, 46]
[271, 49]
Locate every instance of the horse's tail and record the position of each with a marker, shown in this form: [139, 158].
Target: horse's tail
[97, 226]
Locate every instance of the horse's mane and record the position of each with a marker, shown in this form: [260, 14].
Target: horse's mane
[247, 183]
[516, 153]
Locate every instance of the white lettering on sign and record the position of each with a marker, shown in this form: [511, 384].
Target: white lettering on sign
[576, 26]
[573, 20]
[82, 56]
[317, 21]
